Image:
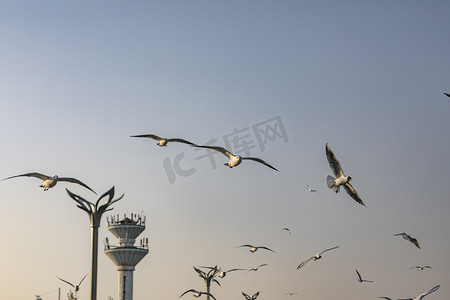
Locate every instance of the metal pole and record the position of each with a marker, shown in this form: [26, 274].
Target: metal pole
[94, 260]
[59, 293]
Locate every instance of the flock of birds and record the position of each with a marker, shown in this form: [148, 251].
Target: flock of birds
[334, 183]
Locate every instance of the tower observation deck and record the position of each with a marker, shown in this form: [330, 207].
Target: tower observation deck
[126, 255]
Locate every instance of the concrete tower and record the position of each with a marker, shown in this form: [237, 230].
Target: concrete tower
[126, 256]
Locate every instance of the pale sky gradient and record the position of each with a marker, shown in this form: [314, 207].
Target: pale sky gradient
[77, 78]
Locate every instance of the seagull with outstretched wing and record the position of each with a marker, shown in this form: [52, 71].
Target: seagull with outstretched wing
[247, 297]
[334, 183]
[76, 287]
[197, 293]
[423, 295]
[409, 238]
[253, 249]
[163, 141]
[315, 257]
[360, 278]
[235, 160]
[50, 181]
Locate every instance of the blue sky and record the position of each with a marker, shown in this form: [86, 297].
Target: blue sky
[78, 78]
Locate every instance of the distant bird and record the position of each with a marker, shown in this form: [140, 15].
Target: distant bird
[448, 95]
[387, 298]
[310, 189]
[252, 297]
[50, 182]
[163, 141]
[360, 278]
[257, 268]
[315, 257]
[419, 268]
[421, 296]
[235, 160]
[291, 294]
[286, 229]
[409, 238]
[340, 180]
[197, 293]
[253, 249]
[76, 287]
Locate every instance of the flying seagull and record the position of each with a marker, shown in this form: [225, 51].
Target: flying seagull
[50, 182]
[252, 297]
[310, 189]
[253, 249]
[256, 268]
[163, 141]
[360, 278]
[235, 160]
[419, 268]
[409, 238]
[341, 179]
[197, 293]
[421, 296]
[76, 287]
[387, 298]
[291, 294]
[286, 229]
[222, 274]
[315, 257]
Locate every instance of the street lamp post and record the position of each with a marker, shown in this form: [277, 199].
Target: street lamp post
[95, 212]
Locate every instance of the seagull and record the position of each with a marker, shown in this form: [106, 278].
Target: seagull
[419, 268]
[50, 182]
[256, 269]
[409, 238]
[448, 95]
[253, 249]
[76, 287]
[315, 257]
[341, 179]
[222, 274]
[252, 297]
[421, 296]
[310, 189]
[235, 160]
[387, 298]
[197, 293]
[163, 141]
[360, 279]
[291, 294]
[286, 229]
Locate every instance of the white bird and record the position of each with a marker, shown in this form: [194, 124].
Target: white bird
[419, 268]
[315, 257]
[256, 268]
[197, 293]
[76, 287]
[340, 180]
[222, 274]
[50, 182]
[310, 189]
[253, 249]
[235, 160]
[409, 238]
[252, 297]
[360, 278]
[421, 296]
[163, 141]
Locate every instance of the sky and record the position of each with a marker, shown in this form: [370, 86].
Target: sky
[268, 79]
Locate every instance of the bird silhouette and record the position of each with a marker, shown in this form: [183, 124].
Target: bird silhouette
[163, 141]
